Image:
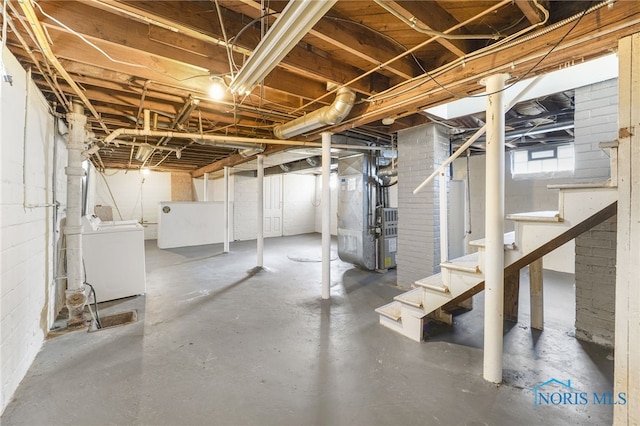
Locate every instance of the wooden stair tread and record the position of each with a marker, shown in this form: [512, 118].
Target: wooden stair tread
[468, 263]
[581, 185]
[541, 216]
[412, 297]
[509, 241]
[390, 310]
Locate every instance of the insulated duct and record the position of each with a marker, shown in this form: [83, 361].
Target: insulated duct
[325, 116]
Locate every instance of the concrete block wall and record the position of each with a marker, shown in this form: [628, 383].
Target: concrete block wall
[420, 150]
[27, 224]
[596, 121]
[595, 284]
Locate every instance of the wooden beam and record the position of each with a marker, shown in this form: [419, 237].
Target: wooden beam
[530, 10]
[236, 159]
[536, 301]
[432, 16]
[596, 34]
[200, 34]
[511, 293]
[370, 47]
[627, 307]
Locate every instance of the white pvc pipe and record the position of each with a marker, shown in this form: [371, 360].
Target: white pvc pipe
[494, 230]
[226, 209]
[260, 209]
[75, 297]
[205, 187]
[444, 224]
[326, 214]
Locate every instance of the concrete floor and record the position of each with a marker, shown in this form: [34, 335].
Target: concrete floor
[219, 344]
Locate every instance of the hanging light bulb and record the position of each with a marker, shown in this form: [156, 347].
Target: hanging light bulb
[217, 88]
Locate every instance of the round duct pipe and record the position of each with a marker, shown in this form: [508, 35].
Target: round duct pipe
[325, 116]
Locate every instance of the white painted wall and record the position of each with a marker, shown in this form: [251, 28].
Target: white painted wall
[133, 196]
[215, 189]
[299, 206]
[27, 285]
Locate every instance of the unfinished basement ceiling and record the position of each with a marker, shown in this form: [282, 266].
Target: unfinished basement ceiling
[398, 57]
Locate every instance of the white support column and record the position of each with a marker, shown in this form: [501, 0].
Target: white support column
[494, 230]
[260, 210]
[226, 210]
[205, 187]
[626, 381]
[444, 223]
[326, 214]
[75, 296]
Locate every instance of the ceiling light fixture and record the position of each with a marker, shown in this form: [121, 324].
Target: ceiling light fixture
[295, 21]
[218, 87]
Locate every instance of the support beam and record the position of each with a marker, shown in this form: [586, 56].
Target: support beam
[536, 294]
[511, 292]
[494, 226]
[205, 187]
[326, 215]
[442, 212]
[627, 307]
[260, 210]
[227, 210]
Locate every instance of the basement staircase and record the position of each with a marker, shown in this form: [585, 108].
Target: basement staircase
[580, 207]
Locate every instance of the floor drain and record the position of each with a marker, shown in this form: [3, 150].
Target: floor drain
[116, 320]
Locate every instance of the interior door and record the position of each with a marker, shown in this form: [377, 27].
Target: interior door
[273, 206]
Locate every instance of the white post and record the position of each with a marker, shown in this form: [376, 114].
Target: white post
[226, 210]
[444, 224]
[494, 230]
[626, 379]
[260, 209]
[75, 296]
[205, 187]
[326, 214]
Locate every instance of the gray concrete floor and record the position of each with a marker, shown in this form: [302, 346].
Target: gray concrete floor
[217, 343]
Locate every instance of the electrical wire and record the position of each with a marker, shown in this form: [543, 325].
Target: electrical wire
[106, 55]
[95, 306]
[493, 49]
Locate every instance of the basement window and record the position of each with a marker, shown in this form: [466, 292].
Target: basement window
[551, 161]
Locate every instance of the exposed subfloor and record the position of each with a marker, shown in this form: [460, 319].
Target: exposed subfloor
[218, 343]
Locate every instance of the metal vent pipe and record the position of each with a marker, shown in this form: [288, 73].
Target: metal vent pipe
[325, 116]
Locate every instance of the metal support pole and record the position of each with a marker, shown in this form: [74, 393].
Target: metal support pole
[494, 230]
[260, 209]
[205, 187]
[326, 214]
[75, 296]
[444, 224]
[226, 209]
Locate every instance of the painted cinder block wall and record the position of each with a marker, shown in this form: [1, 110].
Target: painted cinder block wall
[596, 121]
[420, 150]
[29, 225]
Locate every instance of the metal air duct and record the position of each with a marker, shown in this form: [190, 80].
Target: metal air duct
[325, 116]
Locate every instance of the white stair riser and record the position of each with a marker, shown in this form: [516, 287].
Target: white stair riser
[458, 281]
[576, 205]
[409, 327]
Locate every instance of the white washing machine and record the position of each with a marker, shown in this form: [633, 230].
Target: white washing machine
[113, 254]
